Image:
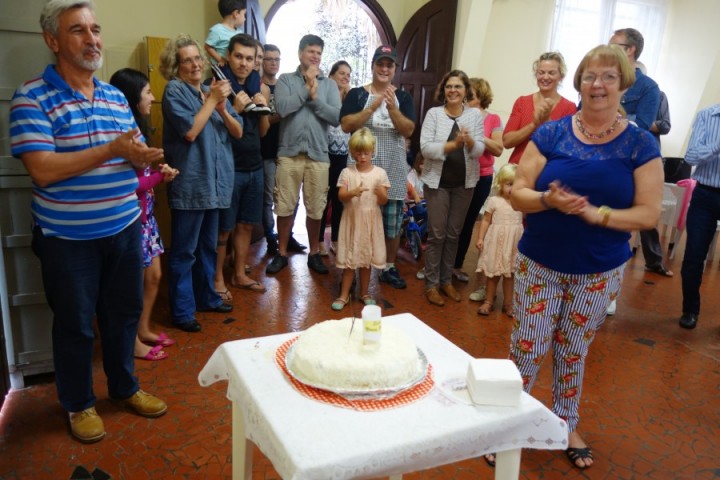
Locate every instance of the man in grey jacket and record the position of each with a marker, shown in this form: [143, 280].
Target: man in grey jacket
[307, 103]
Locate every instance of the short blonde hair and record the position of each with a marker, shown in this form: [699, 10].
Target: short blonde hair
[609, 56]
[481, 91]
[551, 57]
[362, 141]
[169, 61]
[505, 174]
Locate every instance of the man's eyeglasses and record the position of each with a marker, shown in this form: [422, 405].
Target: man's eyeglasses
[607, 78]
[271, 60]
[624, 45]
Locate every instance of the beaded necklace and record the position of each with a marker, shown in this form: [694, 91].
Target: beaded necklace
[596, 136]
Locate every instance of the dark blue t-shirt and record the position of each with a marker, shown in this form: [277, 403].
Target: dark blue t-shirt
[603, 173]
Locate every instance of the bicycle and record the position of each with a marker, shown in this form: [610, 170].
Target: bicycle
[414, 231]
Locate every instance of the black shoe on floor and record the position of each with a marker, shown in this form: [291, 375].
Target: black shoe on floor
[222, 308]
[392, 276]
[276, 264]
[272, 246]
[295, 246]
[688, 320]
[190, 327]
[315, 263]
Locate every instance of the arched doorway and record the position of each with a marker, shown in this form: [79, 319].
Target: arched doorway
[351, 29]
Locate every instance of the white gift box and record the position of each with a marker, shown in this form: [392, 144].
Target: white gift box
[493, 381]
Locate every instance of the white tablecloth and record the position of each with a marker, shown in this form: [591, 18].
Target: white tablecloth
[307, 439]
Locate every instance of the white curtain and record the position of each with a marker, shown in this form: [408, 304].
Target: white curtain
[580, 25]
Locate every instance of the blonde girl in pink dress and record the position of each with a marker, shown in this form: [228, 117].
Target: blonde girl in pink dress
[363, 187]
[500, 232]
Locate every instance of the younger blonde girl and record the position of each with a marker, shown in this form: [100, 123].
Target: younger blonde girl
[500, 232]
[363, 187]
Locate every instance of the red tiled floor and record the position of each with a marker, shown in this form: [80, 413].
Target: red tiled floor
[650, 409]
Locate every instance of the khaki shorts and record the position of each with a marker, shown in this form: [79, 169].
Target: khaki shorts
[292, 172]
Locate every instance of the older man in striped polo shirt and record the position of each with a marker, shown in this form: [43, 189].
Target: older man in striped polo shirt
[80, 144]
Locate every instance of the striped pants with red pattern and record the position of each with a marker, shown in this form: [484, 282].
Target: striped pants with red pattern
[565, 311]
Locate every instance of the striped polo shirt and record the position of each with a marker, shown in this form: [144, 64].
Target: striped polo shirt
[46, 114]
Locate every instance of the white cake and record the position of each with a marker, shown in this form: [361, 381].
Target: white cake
[325, 356]
[493, 381]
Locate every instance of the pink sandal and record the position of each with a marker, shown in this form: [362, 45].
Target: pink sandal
[163, 341]
[155, 353]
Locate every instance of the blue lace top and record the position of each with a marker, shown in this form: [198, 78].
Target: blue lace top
[604, 173]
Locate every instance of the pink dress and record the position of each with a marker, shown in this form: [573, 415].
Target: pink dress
[501, 239]
[361, 240]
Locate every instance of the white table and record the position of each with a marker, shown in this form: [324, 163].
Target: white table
[306, 439]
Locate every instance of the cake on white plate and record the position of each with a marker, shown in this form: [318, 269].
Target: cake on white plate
[326, 355]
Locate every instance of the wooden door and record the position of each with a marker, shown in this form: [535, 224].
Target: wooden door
[153, 47]
[425, 50]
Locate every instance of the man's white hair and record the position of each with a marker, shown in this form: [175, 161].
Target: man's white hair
[54, 8]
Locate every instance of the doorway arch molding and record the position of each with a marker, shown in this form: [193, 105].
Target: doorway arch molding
[371, 7]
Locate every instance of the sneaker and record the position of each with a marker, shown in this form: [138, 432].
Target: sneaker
[146, 405]
[322, 251]
[249, 107]
[272, 245]
[260, 110]
[392, 276]
[478, 295]
[612, 308]
[295, 246]
[460, 275]
[276, 264]
[420, 275]
[315, 263]
[86, 426]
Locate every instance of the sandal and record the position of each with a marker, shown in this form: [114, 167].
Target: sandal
[485, 309]
[339, 303]
[575, 454]
[226, 295]
[162, 340]
[508, 310]
[368, 300]
[155, 353]
[660, 270]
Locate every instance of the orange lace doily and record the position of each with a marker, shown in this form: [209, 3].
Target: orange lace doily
[410, 395]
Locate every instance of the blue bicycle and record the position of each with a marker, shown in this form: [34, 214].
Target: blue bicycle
[414, 227]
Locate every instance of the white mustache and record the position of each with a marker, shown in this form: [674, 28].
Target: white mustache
[92, 50]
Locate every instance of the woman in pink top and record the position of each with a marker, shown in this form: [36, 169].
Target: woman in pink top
[531, 111]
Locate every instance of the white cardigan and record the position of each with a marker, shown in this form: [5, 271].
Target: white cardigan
[435, 131]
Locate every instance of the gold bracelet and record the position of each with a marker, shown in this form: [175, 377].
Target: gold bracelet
[605, 212]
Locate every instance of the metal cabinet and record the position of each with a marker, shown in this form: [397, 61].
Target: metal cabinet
[26, 314]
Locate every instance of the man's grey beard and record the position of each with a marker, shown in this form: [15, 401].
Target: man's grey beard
[93, 65]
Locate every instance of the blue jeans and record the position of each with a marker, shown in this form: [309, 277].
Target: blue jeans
[192, 262]
[702, 217]
[83, 279]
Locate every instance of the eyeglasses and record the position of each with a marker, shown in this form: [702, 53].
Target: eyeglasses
[607, 78]
[454, 87]
[624, 45]
[271, 60]
[190, 60]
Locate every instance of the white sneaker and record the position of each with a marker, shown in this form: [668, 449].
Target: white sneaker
[420, 275]
[478, 295]
[612, 307]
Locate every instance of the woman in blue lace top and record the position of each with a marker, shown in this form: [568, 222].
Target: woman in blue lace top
[585, 181]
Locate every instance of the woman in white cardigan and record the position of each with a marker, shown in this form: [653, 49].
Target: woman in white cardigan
[451, 141]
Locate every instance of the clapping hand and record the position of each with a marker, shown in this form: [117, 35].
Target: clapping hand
[389, 97]
[564, 199]
[358, 191]
[129, 147]
[542, 111]
[168, 172]
[219, 91]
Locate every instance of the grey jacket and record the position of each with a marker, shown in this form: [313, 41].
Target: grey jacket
[304, 123]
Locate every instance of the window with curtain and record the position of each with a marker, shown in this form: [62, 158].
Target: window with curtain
[580, 25]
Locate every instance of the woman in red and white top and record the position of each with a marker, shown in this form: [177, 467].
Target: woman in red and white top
[531, 111]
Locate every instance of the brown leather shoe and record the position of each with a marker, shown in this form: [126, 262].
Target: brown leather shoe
[146, 405]
[87, 426]
[434, 297]
[450, 291]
